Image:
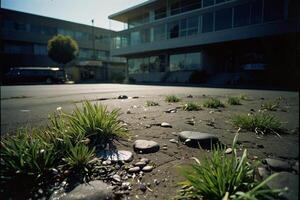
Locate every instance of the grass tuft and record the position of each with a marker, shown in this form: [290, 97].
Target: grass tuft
[260, 123]
[233, 101]
[271, 105]
[213, 103]
[172, 99]
[224, 177]
[191, 106]
[152, 103]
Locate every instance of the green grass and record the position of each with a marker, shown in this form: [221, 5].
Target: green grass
[212, 103]
[243, 97]
[79, 156]
[233, 101]
[191, 106]
[96, 123]
[259, 123]
[152, 103]
[224, 177]
[270, 105]
[172, 99]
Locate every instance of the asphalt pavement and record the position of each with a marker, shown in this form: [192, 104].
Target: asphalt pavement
[31, 105]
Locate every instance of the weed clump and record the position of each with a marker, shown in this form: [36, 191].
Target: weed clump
[224, 177]
[233, 101]
[259, 123]
[152, 103]
[172, 99]
[270, 106]
[191, 106]
[213, 103]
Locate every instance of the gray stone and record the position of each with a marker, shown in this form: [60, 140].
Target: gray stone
[94, 190]
[191, 138]
[171, 110]
[166, 125]
[122, 97]
[145, 146]
[118, 155]
[286, 179]
[134, 169]
[146, 160]
[228, 151]
[278, 165]
[147, 168]
[116, 177]
[140, 164]
[173, 141]
[263, 172]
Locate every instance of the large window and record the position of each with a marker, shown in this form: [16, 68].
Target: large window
[189, 61]
[207, 22]
[256, 12]
[242, 15]
[188, 5]
[160, 13]
[273, 10]
[138, 65]
[145, 35]
[135, 38]
[223, 19]
[18, 48]
[173, 29]
[192, 25]
[159, 33]
[208, 3]
[175, 7]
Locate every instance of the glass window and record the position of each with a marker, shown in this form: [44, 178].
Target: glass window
[208, 3]
[160, 13]
[222, 1]
[207, 22]
[39, 49]
[192, 25]
[175, 7]
[242, 15]
[188, 5]
[135, 38]
[256, 12]
[138, 65]
[183, 27]
[36, 28]
[145, 35]
[192, 61]
[177, 62]
[159, 33]
[173, 29]
[223, 19]
[273, 10]
[18, 48]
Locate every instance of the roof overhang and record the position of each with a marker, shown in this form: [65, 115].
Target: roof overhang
[136, 10]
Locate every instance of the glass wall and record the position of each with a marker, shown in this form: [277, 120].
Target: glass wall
[242, 15]
[223, 19]
[160, 13]
[40, 49]
[147, 64]
[173, 29]
[159, 32]
[135, 38]
[188, 61]
[18, 48]
[207, 22]
[273, 10]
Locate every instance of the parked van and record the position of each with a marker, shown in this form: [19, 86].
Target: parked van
[27, 75]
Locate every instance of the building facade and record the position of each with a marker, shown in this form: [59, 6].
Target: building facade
[24, 40]
[210, 41]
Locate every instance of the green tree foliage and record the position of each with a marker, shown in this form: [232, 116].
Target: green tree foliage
[62, 49]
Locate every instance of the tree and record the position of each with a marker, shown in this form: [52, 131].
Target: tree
[62, 49]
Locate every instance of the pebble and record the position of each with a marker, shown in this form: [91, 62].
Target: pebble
[116, 177]
[173, 141]
[134, 169]
[128, 112]
[263, 172]
[156, 182]
[122, 97]
[166, 125]
[145, 146]
[125, 185]
[148, 168]
[143, 187]
[165, 148]
[228, 151]
[146, 160]
[278, 165]
[140, 164]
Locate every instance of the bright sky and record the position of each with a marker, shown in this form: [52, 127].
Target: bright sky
[80, 11]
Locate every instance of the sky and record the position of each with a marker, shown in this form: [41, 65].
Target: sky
[80, 11]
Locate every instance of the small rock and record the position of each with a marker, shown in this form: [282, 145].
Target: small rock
[147, 168]
[156, 182]
[40, 191]
[146, 160]
[116, 177]
[119, 155]
[278, 165]
[143, 187]
[192, 138]
[148, 184]
[134, 169]
[166, 125]
[165, 148]
[228, 151]
[252, 110]
[260, 146]
[190, 122]
[190, 96]
[173, 141]
[263, 172]
[135, 97]
[140, 164]
[171, 110]
[145, 146]
[122, 97]
[125, 185]
[106, 162]
[148, 126]
[128, 112]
